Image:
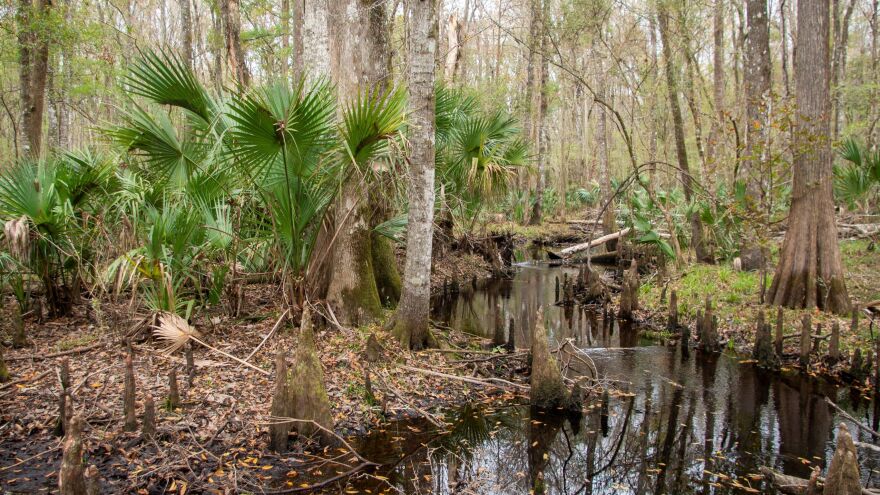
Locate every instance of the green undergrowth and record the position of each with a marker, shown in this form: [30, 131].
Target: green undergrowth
[736, 297]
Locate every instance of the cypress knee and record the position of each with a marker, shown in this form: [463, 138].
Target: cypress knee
[834, 343]
[547, 387]
[4, 372]
[93, 481]
[149, 424]
[307, 387]
[128, 400]
[805, 341]
[843, 476]
[763, 351]
[71, 474]
[672, 319]
[173, 401]
[19, 338]
[278, 432]
[778, 340]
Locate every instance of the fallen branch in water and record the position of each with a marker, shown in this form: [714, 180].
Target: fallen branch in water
[852, 419]
[595, 242]
[488, 382]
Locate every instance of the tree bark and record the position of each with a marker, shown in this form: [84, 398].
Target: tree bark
[757, 94]
[186, 26]
[609, 223]
[358, 52]
[284, 59]
[229, 11]
[809, 273]
[678, 128]
[716, 129]
[316, 40]
[453, 50]
[838, 61]
[33, 50]
[540, 130]
[411, 320]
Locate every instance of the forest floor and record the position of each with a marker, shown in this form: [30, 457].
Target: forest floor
[217, 439]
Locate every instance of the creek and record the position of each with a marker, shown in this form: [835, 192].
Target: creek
[677, 424]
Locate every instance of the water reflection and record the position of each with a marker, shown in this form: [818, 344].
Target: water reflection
[680, 424]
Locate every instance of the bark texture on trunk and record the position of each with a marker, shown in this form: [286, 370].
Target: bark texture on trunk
[316, 40]
[609, 223]
[757, 88]
[186, 27]
[411, 320]
[33, 51]
[229, 11]
[809, 273]
[453, 51]
[540, 128]
[359, 61]
[678, 129]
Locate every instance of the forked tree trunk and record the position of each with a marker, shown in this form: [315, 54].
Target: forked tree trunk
[358, 54]
[678, 128]
[229, 11]
[757, 88]
[411, 320]
[809, 273]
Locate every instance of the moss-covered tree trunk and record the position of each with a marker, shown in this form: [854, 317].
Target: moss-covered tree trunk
[810, 273]
[411, 320]
[359, 62]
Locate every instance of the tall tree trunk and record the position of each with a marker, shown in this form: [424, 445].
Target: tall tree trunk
[783, 27]
[716, 130]
[809, 273]
[753, 169]
[609, 223]
[33, 46]
[187, 26]
[285, 41]
[453, 50]
[411, 321]
[678, 129]
[540, 125]
[229, 11]
[316, 40]
[838, 62]
[358, 54]
[297, 34]
[528, 117]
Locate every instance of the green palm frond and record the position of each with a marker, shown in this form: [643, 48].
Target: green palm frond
[370, 122]
[279, 131]
[165, 79]
[84, 175]
[857, 178]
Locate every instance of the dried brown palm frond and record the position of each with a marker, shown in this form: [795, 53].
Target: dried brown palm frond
[17, 233]
[176, 332]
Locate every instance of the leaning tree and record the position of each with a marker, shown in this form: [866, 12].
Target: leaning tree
[809, 273]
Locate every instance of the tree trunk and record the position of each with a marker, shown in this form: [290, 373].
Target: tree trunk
[609, 223]
[285, 41]
[33, 53]
[316, 40]
[186, 26]
[678, 128]
[716, 130]
[540, 130]
[809, 273]
[838, 61]
[358, 54]
[297, 34]
[757, 94]
[411, 320]
[229, 11]
[783, 28]
[453, 50]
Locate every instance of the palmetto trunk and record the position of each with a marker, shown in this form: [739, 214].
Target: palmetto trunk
[757, 88]
[412, 313]
[810, 273]
[359, 53]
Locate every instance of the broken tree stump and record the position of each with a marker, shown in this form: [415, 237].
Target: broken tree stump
[629, 296]
[843, 476]
[547, 387]
[763, 351]
[173, 400]
[148, 428]
[307, 389]
[281, 400]
[707, 329]
[128, 396]
[672, 317]
[71, 474]
[777, 343]
[805, 341]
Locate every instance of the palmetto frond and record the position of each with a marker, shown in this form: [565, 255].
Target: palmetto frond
[856, 179]
[174, 331]
[165, 79]
[370, 122]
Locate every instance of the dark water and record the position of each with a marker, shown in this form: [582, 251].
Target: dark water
[697, 424]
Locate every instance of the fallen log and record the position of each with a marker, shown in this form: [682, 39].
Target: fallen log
[595, 242]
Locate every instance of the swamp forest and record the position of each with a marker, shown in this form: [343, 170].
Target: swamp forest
[440, 247]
